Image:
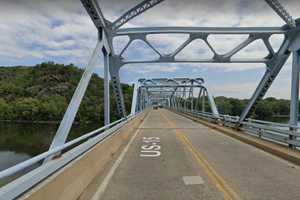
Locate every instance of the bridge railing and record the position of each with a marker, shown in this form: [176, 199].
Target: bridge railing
[279, 133]
[34, 170]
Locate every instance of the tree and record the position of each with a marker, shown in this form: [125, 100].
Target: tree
[264, 110]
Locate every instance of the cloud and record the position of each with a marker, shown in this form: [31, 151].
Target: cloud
[45, 29]
[61, 30]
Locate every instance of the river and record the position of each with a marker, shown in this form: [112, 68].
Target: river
[19, 142]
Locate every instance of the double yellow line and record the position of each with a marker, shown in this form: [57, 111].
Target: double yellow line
[217, 180]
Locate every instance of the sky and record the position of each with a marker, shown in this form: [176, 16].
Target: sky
[34, 31]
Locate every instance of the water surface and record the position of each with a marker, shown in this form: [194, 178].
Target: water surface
[19, 142]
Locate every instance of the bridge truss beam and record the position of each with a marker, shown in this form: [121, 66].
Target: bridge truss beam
[179, 93]
[135, 11]
[202, 34]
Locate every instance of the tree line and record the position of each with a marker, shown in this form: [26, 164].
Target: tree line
[265, 109]
[42, 93]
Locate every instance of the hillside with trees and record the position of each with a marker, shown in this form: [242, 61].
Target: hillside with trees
[42, 93]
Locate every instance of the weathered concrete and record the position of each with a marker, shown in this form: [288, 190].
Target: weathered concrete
[222, 163]
[271, 147]
[251, 172]
[190, 161]
[72, 180]
[158, 177]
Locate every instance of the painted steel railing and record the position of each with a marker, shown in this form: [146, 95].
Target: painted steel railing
[72, 150]
[279, 133]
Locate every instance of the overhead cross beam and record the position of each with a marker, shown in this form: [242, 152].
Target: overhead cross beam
[133, 12]
[253, 34]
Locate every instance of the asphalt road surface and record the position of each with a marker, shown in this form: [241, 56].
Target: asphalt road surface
[173, 158]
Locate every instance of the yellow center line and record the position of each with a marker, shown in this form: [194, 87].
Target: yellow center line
[214, 177]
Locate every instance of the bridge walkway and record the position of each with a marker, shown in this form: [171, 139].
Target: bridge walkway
[172, 157]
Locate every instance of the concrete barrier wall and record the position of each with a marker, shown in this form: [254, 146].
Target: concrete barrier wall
[69, 182]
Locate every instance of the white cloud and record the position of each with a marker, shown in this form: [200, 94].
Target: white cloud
[46, 30]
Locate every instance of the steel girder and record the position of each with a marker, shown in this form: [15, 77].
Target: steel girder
[200, 33]
[273, 68]
[70, 114]
[135, 11]
[105, 30]
[294, 104]
[170, 91]
[174, 90]
[282, 12]
[274, 61]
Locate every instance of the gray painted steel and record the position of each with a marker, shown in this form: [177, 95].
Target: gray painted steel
[182, 94]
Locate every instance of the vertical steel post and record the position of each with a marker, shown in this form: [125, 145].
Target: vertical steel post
[106, 89]
[114, 68]
[294, 104]
[192, 100]
[184, 98]
[198, 100]
[203, 100]
[135, 98]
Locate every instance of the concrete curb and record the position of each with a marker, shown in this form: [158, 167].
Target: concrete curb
[275, 149]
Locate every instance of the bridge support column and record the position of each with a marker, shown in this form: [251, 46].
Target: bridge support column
[114, 68]
[294, 104]
[106, 88]
[135, 98]
[203, 100]
[191, 96]
[184, 99]
[212, 104]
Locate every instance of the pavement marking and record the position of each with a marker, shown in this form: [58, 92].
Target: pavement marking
[151, 147]
[98, 194]
[193, 180]
[217, 180]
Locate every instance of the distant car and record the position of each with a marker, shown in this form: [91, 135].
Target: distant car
[155, 107]
[160, 106]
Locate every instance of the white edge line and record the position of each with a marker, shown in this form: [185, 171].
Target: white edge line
[111, 172]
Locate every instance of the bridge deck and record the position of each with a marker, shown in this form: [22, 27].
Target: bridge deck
[194, 162]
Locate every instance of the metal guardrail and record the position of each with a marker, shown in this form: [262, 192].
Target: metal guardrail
[279, 133]
[74, 149]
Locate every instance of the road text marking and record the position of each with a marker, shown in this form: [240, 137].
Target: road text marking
[151, 147]
[108, 177]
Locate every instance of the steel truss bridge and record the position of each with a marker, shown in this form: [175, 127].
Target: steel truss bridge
[51, 170]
